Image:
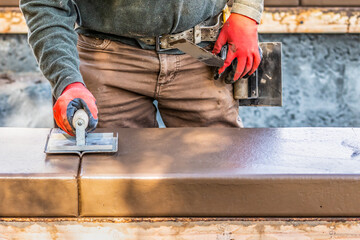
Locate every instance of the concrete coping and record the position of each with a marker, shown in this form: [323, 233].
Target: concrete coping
[187, 172]
[274, 19]
[32, 183]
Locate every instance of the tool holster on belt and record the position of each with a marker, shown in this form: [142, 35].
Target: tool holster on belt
[207, 31]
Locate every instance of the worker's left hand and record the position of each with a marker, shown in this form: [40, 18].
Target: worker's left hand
[240, 33]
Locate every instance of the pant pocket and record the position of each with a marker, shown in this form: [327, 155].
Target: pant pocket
[92, 42]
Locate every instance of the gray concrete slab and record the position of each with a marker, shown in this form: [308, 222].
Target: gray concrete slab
[224, 172]
[32, 183]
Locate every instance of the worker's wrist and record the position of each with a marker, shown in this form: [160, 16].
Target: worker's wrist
[73, 85]
[244, 19]
[245, 10]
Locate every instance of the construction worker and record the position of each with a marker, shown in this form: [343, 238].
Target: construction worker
[119, 54]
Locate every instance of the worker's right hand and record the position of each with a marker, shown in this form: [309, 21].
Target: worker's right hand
[241, 35]
[74, 97]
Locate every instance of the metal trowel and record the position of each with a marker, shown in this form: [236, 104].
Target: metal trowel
[60, 142]
[263, 88]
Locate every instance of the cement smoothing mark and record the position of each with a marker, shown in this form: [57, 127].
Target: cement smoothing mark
[353, 144]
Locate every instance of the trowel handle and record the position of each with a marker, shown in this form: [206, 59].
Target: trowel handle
[241, 88]
[80, 119]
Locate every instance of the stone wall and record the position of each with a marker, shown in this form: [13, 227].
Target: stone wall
[321, 84]
[25, 96]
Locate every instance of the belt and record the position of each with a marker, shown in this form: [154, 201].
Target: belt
[199, 33]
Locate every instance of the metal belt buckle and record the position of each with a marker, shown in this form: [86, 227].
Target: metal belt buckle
[158, 43]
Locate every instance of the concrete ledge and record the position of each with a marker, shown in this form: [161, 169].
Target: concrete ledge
[311, 20]
[12, 21]
[31, 183]
[189, 172]
[225, 172]
[180, 228]
[274, 20]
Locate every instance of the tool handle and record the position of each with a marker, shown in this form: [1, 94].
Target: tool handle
[80, 122]
[80, 119]
[241, 89]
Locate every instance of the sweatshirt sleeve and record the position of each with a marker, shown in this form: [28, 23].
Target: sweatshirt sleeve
[250, 8]
[53, 40]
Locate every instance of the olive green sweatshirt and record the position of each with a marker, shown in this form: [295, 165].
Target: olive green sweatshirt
[53, 38]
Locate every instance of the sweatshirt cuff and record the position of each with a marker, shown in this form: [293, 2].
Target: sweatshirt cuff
[247, 11]
[61, 85]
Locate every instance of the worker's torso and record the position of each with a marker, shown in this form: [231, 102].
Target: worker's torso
[144, 18]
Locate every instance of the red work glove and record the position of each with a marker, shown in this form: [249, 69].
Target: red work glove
[75, 96]
[240, 33]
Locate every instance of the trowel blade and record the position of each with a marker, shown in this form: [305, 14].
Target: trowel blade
[59, 142]
[197, 52]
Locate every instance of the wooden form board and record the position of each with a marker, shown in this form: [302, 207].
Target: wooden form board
[179, 228]
[274, 20]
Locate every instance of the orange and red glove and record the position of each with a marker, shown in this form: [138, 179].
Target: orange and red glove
[74, 97]
[240, 33]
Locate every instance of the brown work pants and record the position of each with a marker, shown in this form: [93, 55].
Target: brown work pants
[125, 81]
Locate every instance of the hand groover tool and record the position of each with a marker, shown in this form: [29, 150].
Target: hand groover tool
[60, 142]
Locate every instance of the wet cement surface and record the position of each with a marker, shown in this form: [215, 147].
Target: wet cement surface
[31, 182]
[224, 172]
[194, 172]
[202, 151]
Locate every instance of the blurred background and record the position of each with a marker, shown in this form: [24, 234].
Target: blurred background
[320, 65]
